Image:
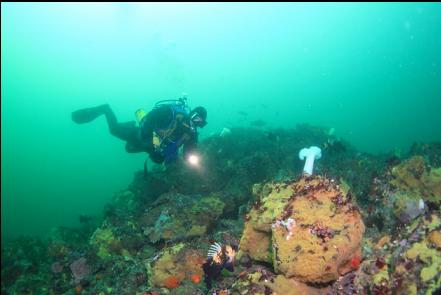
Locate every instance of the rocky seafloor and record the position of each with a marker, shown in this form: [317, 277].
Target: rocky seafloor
[363, 224]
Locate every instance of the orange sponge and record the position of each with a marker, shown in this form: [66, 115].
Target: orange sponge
[171, 282]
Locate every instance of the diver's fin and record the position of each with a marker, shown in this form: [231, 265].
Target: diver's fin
[89, 114]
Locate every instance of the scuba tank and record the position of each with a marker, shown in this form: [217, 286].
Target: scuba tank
[177, 104]
[139, 114]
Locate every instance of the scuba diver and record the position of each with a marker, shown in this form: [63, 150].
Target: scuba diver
[160, 132]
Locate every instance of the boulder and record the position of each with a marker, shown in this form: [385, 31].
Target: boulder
[314, 229]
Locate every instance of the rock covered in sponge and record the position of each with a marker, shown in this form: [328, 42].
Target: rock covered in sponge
[174, 264]
[412, 176]
[256, 238]
[175, 216]
[257, 244]
[315, 229]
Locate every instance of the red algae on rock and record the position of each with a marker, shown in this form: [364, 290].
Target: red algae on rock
[355, 261]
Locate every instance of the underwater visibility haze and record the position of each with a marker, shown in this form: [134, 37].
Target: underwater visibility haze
[361, 81]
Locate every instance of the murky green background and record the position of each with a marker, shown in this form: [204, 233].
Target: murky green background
[371, 71]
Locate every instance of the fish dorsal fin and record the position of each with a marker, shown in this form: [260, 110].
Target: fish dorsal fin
[214, 249]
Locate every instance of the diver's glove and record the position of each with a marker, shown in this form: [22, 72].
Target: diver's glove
[157, 157]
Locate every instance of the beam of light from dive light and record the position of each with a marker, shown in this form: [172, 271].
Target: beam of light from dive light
[193, 160]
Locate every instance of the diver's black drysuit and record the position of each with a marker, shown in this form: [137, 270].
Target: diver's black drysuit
[174, 129]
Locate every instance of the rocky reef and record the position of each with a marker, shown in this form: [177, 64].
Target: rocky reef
[413, 177]
[363, 224]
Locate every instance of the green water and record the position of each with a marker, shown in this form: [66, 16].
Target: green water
[371, 71]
